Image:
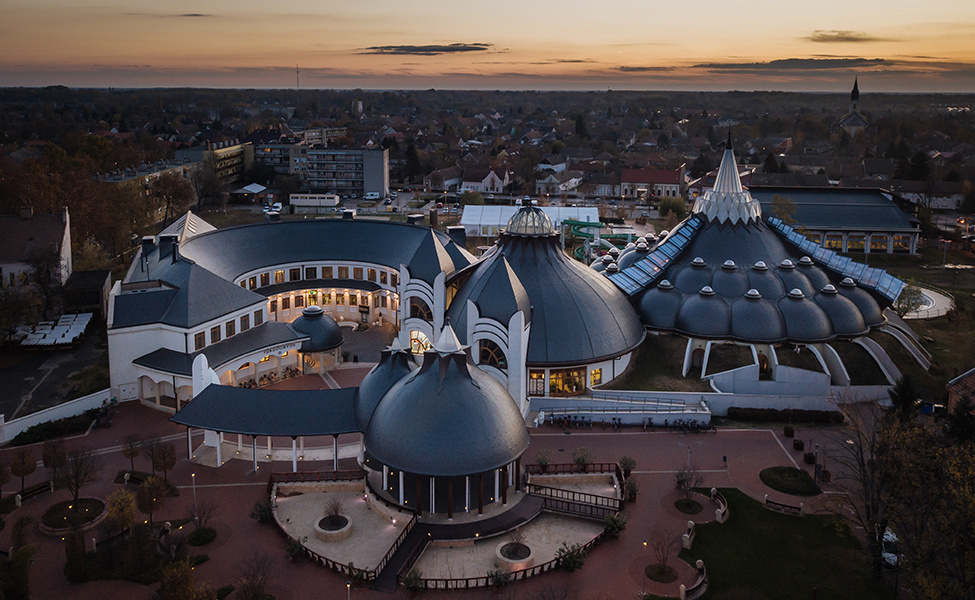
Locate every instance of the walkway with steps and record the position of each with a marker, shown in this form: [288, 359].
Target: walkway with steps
[422, 533]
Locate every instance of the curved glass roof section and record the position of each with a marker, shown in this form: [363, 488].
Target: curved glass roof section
[530, 221]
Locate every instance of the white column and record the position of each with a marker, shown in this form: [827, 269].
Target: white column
[385, 478]
[301, 446]
[294, 455]
[497, 484]
[433, 495]
[254, 449]
[269, 447]
[401, 486]
[219, 443]
[240, 442]
[467, 493]
[335, 453]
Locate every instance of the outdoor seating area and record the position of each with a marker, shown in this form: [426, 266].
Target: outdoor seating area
[66, 331]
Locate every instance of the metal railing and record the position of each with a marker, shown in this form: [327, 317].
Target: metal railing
[313, 477]
[574, 468]
[463, 583]
[579, 509]
[573, 496]
[399, 542]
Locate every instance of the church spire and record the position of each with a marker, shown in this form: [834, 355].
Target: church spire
[855, 97]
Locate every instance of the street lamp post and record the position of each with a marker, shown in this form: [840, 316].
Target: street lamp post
[644, 578]
[816, 466]
[348, 590]
[193, 477]
[688, 456]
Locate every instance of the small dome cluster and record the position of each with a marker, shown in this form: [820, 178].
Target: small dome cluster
[787, 302]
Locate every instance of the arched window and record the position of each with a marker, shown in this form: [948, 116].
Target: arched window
[419, 343]
[420, 310]
[492, 354]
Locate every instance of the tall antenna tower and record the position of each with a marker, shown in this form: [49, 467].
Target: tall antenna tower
[297, 80]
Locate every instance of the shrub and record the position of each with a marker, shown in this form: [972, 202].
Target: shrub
[498, 578]
[615, 524]
[571, 557]
[54, 429]
[202, 536]
[296, 548]
[262, 512]
[790, 415]
[582, 456]
[224, 591]
[631, 488]
[627, 463]
[677, 206]
[413, 580]
[198, 559]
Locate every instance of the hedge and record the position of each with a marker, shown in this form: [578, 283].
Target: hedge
[789, 415]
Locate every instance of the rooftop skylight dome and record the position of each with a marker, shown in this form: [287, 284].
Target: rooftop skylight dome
[530, 221]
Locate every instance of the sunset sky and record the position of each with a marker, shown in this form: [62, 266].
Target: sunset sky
[894, 45]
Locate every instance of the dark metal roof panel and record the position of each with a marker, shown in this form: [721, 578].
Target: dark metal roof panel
[756, 320]
[704, 317]
[449, 419]
[167, 361]
[805, 321]
[392, 367]
[270, 412]
[496, 291]
[838, 208]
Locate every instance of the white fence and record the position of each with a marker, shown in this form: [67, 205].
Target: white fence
[8, 430]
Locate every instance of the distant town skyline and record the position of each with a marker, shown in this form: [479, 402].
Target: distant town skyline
[893, 46]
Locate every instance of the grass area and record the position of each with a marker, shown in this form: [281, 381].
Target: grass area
[73, 514]
[53, 429]
[804, 359]
[725, 357]
[860, 366]
[763, 555]
[688, 507]
[789, 480]
[92, 379]
[929, 385]
[9, 503]
[657, 366]
[661, 573]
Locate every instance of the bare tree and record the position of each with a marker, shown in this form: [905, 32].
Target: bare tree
[686, 479]
[253, 575]
[151, 496]
[53, 454]
[150, 449]
[662, 544]
[164, 459]
[203, 511]
[131, 447]
[80, 468]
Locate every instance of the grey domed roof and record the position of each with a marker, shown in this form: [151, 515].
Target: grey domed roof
[704, 314]
[805, 321]
[578, 316]
[530, 221]
[395, 363]
[495, 290]
[324, 332]
[449, 418]
[872, 315]
[659, 305]
[755, 318]
[843, 313]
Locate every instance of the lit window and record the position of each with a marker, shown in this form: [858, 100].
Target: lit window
[492, 354]
[595, 377]
[382, 301]
[340, 298]
[311, 272]
[382, 277]
[372, 274]
[357, 273]
[327, 273]
[258, 317]
[200, 340]
[419, 343]
[343, 272]
[279, 276]
[251, 283]
[265, 279]
[299, 301]
[214, 334]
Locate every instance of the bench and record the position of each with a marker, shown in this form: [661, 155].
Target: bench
[688, 538]
[720, 513]
[783, 508]
[699, 586]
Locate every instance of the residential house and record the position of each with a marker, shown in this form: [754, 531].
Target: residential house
[444, 180]
[491, 181]
[654, 182]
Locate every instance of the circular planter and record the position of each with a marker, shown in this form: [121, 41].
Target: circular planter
[333, 535]
[60, 531]
[509, 565]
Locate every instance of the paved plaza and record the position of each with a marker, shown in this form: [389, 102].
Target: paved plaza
[730, 458]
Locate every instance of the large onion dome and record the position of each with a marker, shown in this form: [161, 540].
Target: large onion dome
[394, 364]
[448, 419]
[322, 329]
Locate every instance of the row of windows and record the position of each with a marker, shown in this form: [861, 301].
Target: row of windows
[378, 300]
[227, 330]
[295, 274]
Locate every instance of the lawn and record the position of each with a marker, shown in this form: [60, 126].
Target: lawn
[860, 366]
[763, 555]
[657, 367]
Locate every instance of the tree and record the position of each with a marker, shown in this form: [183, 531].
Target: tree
[80, 468]
[4, 474]
[164, 459]
[701, 166]
[53, 455]
[903, 396]
[662, 544]
[174, 192]
[960, 425]
[770, 165]
[413, 166]
[151, 496]
[150, 448]
[686, 479]
[673, 206]
[581, 129]
[121, 510]
[23, 464]
[203, 511]
[784, 208]
[177, 583]
[910, 299]
[19, 305]
[253, 575]
[206, 186]
[582, 456]
[131, 447]
[471, 198]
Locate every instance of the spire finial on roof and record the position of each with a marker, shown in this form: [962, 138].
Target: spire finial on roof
[448, 342]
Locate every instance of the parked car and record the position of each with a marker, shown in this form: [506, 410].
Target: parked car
[388, 201]
[891, 554]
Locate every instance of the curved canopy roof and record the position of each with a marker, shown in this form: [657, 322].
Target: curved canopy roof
[577, 315]
[448, 419]
[231, 252]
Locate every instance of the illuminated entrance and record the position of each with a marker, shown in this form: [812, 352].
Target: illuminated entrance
[419, 343]
[567, 382]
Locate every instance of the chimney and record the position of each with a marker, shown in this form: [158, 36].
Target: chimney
[147, 244]
[166, 245]
[175, 249]
[458, 233]
[348, 214]
[26, 212]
